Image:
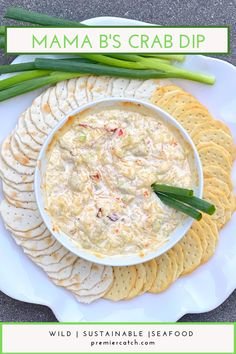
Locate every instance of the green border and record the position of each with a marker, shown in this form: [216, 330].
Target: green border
[118, 323]
[183, 53]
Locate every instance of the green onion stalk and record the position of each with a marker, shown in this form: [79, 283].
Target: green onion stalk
[30, 85]
[22, 77]
[74, 66]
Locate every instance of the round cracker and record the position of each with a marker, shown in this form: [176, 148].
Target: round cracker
[218, 137]
[174, 264]
[46, 252]
[190, 117]
[20, 219]
[48, 117]
[10, 176]
[17, 195]
[164, 274]
[81, 90]
[18, 155]
[25, 149]
[192, 250]
[24, 135]
[80, 271]
[180, 99]
[214, 171]
[10, 160]
[215, 183]
[214, 124]
[179, 256]
[38, 231]
[139, 283]
[102, 285]
[200, 232]
[19, 204]
[211, 239]
[62, 97]
[164, 92]
[146, 89]
[94, 277]
[37, 117]
[219, 215]
[130, 90]
[123, 283]
[211, 154]
[151, 271]
[71, 85]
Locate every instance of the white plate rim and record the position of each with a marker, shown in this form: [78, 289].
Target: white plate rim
[196, 306]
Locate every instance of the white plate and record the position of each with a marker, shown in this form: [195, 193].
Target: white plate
[201, 291]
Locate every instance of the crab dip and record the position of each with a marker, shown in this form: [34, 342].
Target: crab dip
[97, 185]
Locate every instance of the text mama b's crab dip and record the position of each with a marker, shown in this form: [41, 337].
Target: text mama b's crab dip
[97, 182]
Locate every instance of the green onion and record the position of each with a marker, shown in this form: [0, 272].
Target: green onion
[34, 84]
[25, 76]
[163, 188]
[197, 203]
[103, 59]
[150, 63]
[13, 68]
[174, 57]
[99, 69]
[2, 29]
[16, 13]
[2, 42]
[131, 57]
[173, 203]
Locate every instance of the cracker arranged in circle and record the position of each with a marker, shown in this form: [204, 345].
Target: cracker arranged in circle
[140, 281]
[218, 137]
[210, 236]
[199, 231]
[20, 219]
[123, 283]
[177, 100]
[162, 94]
[80, 271]
[212, 124]
[37, 117]
[215, 183]
[100, 289]
[10, 160]
[192, 250]
[19, 204]
[19, 155]
[219, 215]
[214, 171]
[189, 115]
[32, 130]
[24, 135]
[61, 91]
[25, 149]
[22, 196]
[179, 256]
[164, 274]
[147, 88]
[151, 271]
[211, 154]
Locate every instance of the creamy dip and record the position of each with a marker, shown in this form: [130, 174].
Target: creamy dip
[100, 167]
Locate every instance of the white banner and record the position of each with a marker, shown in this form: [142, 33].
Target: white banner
[117, 40]
[117, 338]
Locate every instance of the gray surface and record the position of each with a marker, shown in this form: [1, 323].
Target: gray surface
[166, 12]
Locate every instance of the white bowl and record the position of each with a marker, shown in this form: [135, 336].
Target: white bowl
[64, 239]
